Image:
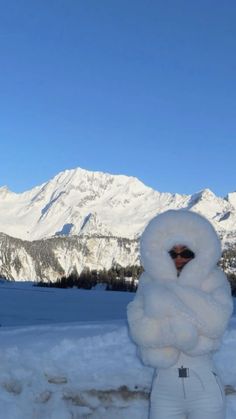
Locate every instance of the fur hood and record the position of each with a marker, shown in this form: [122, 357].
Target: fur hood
[174, 314]
[179, 227]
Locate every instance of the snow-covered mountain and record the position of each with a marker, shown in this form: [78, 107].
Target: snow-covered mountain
[79, 202]
[94, 210]
[50, 259]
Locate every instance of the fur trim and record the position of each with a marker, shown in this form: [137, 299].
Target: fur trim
[172, 314]
[179, 227]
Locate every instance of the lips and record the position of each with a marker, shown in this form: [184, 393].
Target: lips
[180, 264]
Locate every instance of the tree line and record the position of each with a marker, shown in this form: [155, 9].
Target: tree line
[117, 278]
[228, 264]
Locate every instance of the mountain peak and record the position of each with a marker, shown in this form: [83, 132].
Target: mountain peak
[206, 193]
[79, 201]
[4, 188]
[5, 191]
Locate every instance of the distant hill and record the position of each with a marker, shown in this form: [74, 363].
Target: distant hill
[82, 218]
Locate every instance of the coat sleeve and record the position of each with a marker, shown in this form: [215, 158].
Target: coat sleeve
[147, 331]
[156, 320]
[210, 310]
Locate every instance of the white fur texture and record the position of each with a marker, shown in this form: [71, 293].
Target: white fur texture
[188, 313]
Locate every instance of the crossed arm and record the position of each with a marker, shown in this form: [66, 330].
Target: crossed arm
[176, 316]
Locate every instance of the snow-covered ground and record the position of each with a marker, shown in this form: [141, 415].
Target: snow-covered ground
[66, 354]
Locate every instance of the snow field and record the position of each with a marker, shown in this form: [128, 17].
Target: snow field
[71, 372]
[80, 369]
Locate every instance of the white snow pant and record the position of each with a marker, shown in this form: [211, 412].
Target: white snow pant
[198, 396]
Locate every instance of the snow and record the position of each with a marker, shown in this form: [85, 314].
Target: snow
[231, 197]
[67, 354]
[22, 304]
[97, 210]
[110, 201]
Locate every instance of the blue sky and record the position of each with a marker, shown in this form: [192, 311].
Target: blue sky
[143, 88]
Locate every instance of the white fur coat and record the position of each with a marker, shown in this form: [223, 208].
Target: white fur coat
[188, 313]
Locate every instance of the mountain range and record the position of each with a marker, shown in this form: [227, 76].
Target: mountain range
[91, 219]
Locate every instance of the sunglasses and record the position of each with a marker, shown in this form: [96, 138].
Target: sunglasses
[185, 254]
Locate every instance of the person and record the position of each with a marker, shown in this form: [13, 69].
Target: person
[179, 314]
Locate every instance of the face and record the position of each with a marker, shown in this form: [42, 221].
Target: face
[181, 260]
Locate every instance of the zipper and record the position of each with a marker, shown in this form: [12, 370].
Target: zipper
[156, 377]
[218, 384]
[183, 387]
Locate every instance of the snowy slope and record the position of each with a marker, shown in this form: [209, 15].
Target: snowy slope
[231, 197]
[66, 354]
[90, 219]
[81, 202]
[52, 258]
